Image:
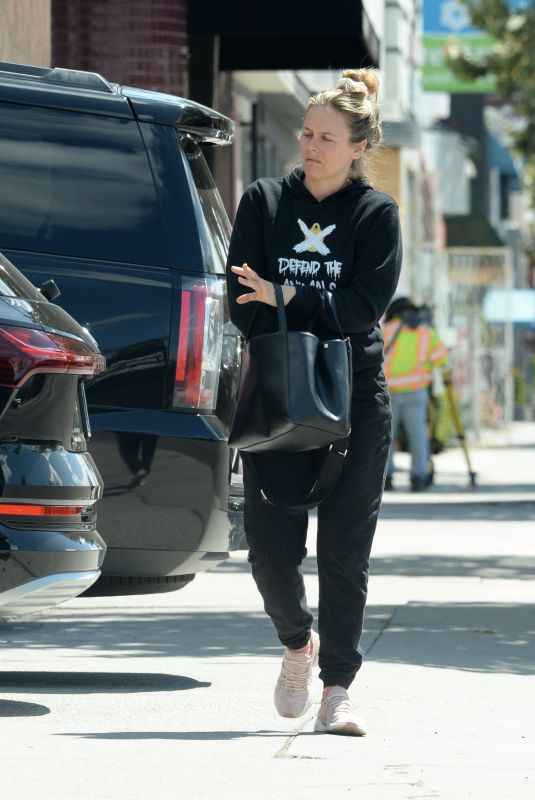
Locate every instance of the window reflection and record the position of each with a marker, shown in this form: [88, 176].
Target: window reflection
[14, 284]
[80, 184]
[214, 212]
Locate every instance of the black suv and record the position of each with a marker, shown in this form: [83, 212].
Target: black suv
[49, 548]
[105, 189]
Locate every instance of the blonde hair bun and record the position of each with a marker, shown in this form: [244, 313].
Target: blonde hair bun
[353, 97]
[360, 81]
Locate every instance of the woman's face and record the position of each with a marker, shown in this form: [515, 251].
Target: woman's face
[326, 152]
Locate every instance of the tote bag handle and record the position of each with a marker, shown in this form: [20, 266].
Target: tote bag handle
[281, 313]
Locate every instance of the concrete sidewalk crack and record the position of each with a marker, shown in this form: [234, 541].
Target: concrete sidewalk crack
[283, 752]
[385, 627]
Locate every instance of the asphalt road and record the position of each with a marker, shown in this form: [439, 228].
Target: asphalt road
[169, 696]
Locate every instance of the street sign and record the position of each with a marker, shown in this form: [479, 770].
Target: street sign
[447, 26]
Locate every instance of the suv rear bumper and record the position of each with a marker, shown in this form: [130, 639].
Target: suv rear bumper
[43, 593]
[30, 555]
[121, 561]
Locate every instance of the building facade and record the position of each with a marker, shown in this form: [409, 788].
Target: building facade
[25, 32]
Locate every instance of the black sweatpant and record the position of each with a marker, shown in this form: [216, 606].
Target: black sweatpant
[346, 526]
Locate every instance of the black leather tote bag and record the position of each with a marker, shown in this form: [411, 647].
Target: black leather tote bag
[295, 390]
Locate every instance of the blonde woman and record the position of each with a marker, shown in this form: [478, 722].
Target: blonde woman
[331, 241]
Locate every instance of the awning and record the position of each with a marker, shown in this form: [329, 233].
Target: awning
[471, 230]
[287, 35]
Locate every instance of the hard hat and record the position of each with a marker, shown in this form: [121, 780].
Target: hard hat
[398, 305]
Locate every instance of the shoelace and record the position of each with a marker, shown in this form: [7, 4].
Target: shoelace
[293, 680]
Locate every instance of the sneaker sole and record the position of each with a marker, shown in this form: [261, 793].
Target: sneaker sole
[347, 729]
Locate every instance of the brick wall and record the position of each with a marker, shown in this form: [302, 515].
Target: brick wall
[25, 32]
[141, 43]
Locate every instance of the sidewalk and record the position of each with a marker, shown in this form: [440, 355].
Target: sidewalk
[171, 695]
[503, 460]
[456, 657]
[517, 434]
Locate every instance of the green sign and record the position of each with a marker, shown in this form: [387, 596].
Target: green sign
[437, 75]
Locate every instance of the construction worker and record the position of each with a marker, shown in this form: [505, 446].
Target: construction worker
[412, 350]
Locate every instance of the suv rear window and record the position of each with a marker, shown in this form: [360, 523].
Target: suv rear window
[216, 221]
[76, 184]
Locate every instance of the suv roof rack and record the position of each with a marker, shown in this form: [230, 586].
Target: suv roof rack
[58, 75]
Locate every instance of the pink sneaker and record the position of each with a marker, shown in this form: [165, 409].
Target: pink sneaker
[337, 714]
[293, 691]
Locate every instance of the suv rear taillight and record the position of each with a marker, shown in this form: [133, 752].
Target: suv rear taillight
[200, 339]
[25, 351]
[30, 510]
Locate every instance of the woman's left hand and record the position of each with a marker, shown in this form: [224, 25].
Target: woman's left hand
[261, 291]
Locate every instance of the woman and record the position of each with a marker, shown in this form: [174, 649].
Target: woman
[331, 241]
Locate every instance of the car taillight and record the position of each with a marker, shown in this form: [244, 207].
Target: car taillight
[200, 338]
[25, 351]
[28, 510]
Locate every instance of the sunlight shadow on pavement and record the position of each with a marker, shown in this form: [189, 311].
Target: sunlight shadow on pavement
[16, 708]
[181, 735]
[95, 682]
[430, 565]
[474, 637]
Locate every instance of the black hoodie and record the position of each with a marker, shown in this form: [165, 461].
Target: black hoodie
[344, 250]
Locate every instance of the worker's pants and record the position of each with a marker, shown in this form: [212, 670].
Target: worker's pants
[346, 525]
[411, 409]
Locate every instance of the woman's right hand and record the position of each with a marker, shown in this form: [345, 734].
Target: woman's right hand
[262, 291]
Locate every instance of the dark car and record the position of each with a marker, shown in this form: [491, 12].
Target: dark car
[106, 190]
[50, 550]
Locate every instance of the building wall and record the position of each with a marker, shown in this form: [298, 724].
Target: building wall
[375, 12]
[142, 43]
[400, 60]
[25, 32]
[385, 171]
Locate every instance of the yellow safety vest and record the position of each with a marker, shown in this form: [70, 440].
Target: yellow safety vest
[409, 362]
